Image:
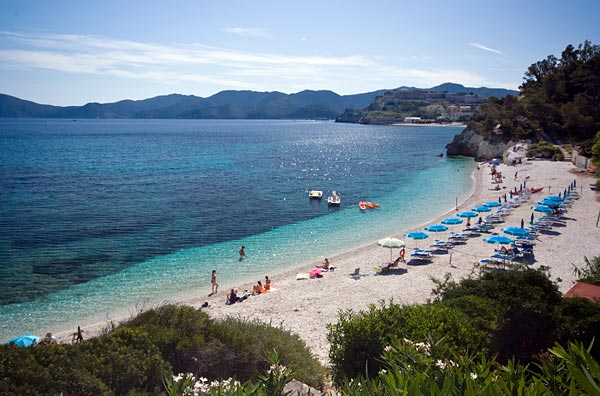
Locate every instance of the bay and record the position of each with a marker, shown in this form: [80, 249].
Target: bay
[100, 216]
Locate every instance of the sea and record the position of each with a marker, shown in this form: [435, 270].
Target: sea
[100, 219]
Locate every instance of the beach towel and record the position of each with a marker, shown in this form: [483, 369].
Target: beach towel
[302, 275]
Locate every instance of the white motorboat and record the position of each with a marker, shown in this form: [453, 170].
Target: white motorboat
[315, 194]
[334, 199]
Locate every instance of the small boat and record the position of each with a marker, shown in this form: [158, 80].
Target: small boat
[536, 190]
[315, 194]
[334, 199]
[362, 206]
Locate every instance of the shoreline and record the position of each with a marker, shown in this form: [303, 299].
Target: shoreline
[306, 307]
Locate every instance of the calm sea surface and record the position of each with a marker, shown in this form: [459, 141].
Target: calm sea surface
[98, 216]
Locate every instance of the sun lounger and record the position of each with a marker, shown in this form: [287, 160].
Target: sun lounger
[356, 274]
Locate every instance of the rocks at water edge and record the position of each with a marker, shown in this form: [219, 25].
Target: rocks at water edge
[483, 146]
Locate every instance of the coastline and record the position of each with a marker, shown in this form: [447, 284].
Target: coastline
[306, 307]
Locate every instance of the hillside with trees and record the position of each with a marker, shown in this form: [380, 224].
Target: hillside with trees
[559, 102]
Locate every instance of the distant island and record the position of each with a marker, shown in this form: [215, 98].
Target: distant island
[250, 105]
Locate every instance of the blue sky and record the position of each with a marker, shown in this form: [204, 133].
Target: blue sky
[74, 52]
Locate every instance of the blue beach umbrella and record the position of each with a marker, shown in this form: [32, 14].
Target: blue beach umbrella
[549, 202]
[452, 221]
[481, 209]
[416, 235]
[436, 228]
[492, 204]
[554, 198]
[498, 239]
[542, 208]
[467, 214]
[24, 341]
[516, 231]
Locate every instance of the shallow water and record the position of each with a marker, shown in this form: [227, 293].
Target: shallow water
[98, 216]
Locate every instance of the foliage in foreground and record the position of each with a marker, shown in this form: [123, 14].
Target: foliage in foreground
[590, 272]
[410, 368]
[413, 371]
[357, 340]
[510, 315]
[134, 358]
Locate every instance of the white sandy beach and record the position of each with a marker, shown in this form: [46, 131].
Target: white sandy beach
[306, 307]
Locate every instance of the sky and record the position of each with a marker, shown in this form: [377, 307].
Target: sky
[74, 52]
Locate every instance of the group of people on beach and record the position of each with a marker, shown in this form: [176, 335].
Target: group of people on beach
[232, 297]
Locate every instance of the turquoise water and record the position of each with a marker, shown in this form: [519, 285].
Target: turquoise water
[98, 217]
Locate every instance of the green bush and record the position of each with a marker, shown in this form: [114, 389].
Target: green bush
[408, 371]
[136, 357]
[358, 340]
[544, 149]
[527, 302]
[191, 342]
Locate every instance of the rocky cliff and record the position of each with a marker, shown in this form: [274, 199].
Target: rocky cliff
[483, 146]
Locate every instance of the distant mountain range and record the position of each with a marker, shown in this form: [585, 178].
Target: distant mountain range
[223, 105]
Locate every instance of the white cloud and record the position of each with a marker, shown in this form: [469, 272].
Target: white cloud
[483, 47]
[249, 32]
[202, 66]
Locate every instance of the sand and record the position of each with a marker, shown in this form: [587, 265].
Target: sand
[306, 307]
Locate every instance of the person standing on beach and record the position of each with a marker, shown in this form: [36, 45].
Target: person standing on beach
[213, 282]
[242, 252]
[78, 335]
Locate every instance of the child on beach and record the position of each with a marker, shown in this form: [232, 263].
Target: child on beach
[242, 252]
[213, 282]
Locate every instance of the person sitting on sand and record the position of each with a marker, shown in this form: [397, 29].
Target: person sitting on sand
[258, 289]
[267, 283]
[231, 297]
[49, 339]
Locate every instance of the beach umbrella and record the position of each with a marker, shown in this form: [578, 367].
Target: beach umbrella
[498, 239]
[452, 221]
[436, 228]
[532, 217]
[542, 208]
[522, 223]
[467, 214]
[25, 340]
[391, 243]
[416, 235]
[481, 209]
[492, 204]
[504, 197]
[554, 198]
[516, 231]
[500, 200]
[549, 202]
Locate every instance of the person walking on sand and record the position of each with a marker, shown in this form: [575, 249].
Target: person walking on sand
[213, 282]
[78, 336]
[242, 252]
[516, 173]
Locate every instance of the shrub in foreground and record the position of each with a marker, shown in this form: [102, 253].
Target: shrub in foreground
[358, 340]
[135, 357]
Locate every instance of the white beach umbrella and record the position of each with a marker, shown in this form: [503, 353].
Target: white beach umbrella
[391, 243]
